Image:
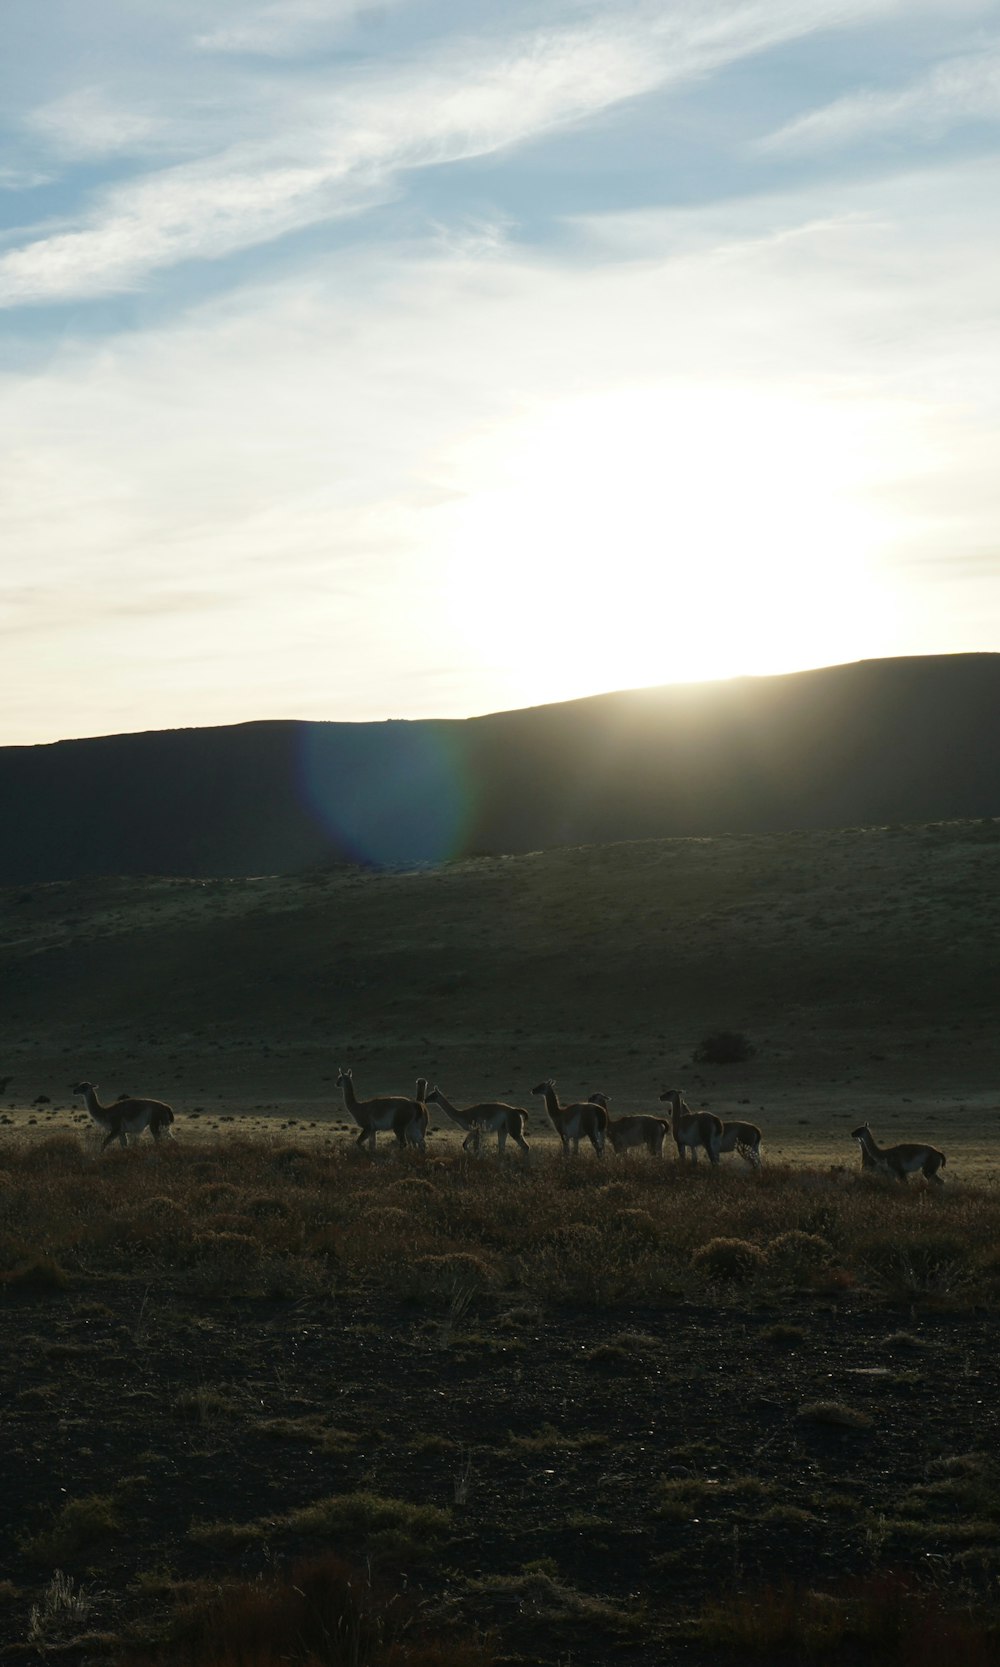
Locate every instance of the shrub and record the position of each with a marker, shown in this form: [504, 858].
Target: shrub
[913, 1265]
[882, 1618]
[724, 1047]
[390, 1530]
[783, 1336]
[75, 1529]
[796, 1253]
[728, 1260]
[834, 1413]
[322, 1610]
[269, 1207]
[55, 1152]
[636, 1229]
[458, 1273]
[40, 1275]
[988, 1264]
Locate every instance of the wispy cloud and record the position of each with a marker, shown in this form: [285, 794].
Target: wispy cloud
[22, 179]
[285, 26]
[88, 123]
[324, 164]
[963, 89]
[332, 150]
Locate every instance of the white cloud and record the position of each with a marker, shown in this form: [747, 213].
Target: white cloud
[88, 123]
[285, 26]
[324, 164]
[338, 148]
[22, 179]
[962, 89]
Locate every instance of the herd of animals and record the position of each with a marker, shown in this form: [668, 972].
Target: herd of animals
[407, 1120]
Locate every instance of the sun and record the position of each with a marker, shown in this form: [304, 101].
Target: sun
[653, 536]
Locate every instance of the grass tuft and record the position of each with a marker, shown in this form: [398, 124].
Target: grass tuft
[80, 1526]
[387, 1530]
[835, 1414]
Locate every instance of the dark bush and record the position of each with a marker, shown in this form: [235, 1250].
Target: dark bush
[725, 1260]
[724, 1047]
[321, 1613]
[798, 1254]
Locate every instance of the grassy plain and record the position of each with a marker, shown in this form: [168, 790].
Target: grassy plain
[553, 1412]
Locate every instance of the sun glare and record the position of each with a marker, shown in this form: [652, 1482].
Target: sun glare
[652, 537]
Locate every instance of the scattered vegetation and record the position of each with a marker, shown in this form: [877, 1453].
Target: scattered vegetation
[614, 1262]
[242, 1218]
[60, 1611]
[386, 1530]
[324, 1610]
[77, 1530]
[884, 1621]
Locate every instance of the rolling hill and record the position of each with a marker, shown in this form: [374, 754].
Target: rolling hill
[888, 741]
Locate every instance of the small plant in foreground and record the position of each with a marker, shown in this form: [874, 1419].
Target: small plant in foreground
[77, 1526]
[40, 1275]
[683, 1497]
[387, 1530]
[321, 1611]
[783, 1336]
[883, 1622]
[834, 1413]
[61, 1609]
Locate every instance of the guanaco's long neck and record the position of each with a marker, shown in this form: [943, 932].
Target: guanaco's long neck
[451, 1111]
[552, 1105]
[870, 1146]
[94, 1105]
[350, 1098]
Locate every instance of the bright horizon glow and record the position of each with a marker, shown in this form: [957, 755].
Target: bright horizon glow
[420, 361]
[604, 534]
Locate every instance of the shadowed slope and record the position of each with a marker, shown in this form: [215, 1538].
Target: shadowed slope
[882, 741]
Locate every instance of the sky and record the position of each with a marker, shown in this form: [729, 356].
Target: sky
[435, 357]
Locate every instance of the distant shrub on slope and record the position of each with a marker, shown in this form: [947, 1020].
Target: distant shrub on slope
[724, 1047]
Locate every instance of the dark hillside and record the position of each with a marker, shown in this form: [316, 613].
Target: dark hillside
[888, 932]
[909, 740]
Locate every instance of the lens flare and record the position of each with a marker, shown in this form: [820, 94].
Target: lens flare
[398, 797]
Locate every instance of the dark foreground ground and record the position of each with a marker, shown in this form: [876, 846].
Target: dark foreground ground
[569, 1481]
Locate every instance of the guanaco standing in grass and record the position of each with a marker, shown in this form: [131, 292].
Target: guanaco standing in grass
[584, 1119]
[899, 1161]
[489, 1117]
[744, 1138]
[638, 1130]
[385, 1114]
[128, 1115]
[693, 1128]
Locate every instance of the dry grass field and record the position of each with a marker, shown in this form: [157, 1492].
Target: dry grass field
[266, 1400]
